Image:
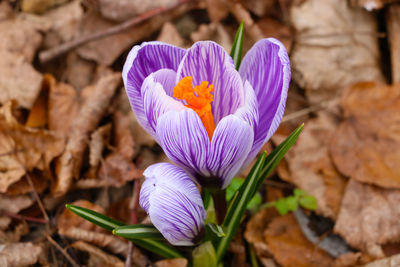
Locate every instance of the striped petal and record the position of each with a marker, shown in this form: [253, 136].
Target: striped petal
[184, 140]
[266, 67]
[141, 62]
[208, 61]
[230, 145]
[173, 203]
[155, 99]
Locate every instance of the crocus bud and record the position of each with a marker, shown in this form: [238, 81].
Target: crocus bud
[173, 203]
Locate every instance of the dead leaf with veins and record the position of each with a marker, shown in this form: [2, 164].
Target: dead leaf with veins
[369, 217]
[335, 46]
[366, 146]
[289, 246]
[97, 257]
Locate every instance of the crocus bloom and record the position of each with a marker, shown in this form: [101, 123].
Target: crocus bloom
[209, 118]
[173, 203]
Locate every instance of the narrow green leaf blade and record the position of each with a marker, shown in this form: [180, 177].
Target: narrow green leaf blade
[216, 229]
[138, 231]
[238, 207]
[109, 224]
[237, 46]
[158, 247]
[97, 218]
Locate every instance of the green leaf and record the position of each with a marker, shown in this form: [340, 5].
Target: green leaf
[299, 193]
[233, 188]
[281, 206]
[204, 256]
[236, 51]
[138, 231]
[109, 224]
[216, 229]
[158, 247]
[238, 206]
[94, 217]
[308, 202]
[291, 203]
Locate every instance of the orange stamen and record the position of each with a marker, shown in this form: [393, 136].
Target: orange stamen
[199, 99]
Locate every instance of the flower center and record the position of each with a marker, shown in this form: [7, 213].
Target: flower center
[199, 99]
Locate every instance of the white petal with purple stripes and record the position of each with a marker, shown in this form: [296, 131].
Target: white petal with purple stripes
[173, 203]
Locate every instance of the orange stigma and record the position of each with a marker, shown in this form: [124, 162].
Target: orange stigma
[199, 99]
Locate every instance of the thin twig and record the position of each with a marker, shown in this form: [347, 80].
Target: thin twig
[133, 205]
[38, 200]
[52, 53]
[308, 110]
[59, 248]
[24, 218]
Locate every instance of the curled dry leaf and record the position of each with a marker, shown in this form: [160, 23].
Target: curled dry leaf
[15, 204]
[86, 121]
[217, 10]
[260, 8]
[23, 149]
[19, 254]
[290, 248]
[335, 46]
[63, 103]
[369, 216]
[309, 166]
[97, 257]
[99, 139]
[366, 146]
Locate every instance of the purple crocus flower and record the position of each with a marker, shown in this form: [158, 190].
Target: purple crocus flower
[209, 118]
[173, 203]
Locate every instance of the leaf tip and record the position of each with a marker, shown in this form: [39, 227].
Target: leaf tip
[68, 206]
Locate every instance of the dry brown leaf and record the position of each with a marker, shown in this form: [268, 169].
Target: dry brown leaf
[369, 216]
[6, 11]
[215, 32]
[63, 103]
[217, 9]
[97, 257]
[19, 254]
[335, 46]
[180, 262]
[40, 181]
[25, 90]
[170, 35]
[393, 29]
[309, 166]
[86, 121]
[64, 22]
[260, 8]
[106, 50]
[393, 261]
[255, 229]
[21, 36]
[289, 246]
[23, 149]
[79, 72]
[366, 146]
[273, 28]
[39, 6]
[15, 204]
[99, 140]
[38, 115]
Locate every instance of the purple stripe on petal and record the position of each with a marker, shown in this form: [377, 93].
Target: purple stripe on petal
[266, 67]
[155, 100]
[173, 203]
[230, 145]
[208, 61]
[184, 139]
[141, 62]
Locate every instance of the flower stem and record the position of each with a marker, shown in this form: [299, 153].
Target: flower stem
[219, 204]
